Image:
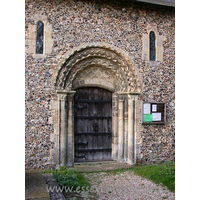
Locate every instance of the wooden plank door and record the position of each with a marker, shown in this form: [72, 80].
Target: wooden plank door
[92, 124]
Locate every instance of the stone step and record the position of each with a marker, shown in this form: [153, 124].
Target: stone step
[35, 187]
[89, 167]
[96, 163]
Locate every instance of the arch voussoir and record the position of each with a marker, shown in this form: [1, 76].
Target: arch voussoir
[115, 62]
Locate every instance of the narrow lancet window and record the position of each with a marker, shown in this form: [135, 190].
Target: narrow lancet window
[40, 37]
[152, 46]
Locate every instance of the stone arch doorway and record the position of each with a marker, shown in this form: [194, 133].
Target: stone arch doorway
[92, 124]
[107, 67]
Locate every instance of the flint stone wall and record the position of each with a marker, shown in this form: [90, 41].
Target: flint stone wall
[124, 26]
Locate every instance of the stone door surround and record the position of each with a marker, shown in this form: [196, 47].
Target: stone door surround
[104, 66]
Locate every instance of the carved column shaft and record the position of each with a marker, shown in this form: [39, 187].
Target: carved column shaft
[114, 127]
[70, 145]
[130, 131]
[120, 131]
[62, 129]
[125, 129]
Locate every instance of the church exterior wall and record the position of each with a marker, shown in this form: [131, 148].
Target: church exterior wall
[68, 25]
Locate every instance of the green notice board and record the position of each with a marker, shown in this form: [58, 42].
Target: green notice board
[147, 118]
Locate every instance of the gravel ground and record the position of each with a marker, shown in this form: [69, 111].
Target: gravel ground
[127, 186]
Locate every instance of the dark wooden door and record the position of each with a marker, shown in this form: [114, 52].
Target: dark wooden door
[92, 124]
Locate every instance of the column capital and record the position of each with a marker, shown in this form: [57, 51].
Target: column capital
[132, 96]
[62, 94]
[71, 95]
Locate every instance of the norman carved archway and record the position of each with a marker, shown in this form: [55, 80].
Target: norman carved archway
[107, 67]
[121, 68]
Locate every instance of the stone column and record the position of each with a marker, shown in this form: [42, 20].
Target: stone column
[125, 129]
[70, 146]
[114, 127]
[137, 128]
[120, 131]
[62, 130]
[130, 131]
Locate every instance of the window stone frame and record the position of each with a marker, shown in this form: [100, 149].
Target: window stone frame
[31, 37]
[159, 39]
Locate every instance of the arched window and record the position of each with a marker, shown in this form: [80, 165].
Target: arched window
[152, 46]
[40, 37]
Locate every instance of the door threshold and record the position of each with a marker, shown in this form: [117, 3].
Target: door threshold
[96, 162]
[100, 166]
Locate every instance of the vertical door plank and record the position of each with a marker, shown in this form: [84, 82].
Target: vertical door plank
[85, 125]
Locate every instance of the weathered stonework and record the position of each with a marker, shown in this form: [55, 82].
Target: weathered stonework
[96, 76]
[105, 57]
[30, 41]
[101, 45]
[159, 43]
